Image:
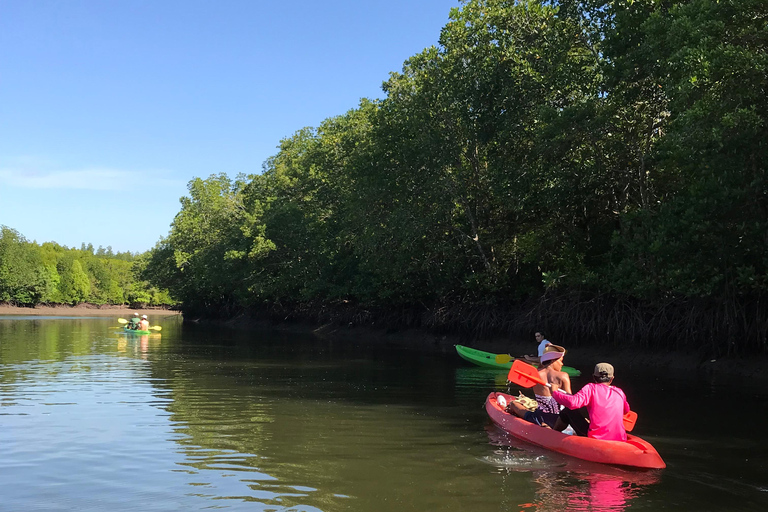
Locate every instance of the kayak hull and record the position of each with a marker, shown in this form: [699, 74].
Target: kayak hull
[135, 331]
[488, 360]
[634, 452]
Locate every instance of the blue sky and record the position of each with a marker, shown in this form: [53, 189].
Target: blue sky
[108, 108]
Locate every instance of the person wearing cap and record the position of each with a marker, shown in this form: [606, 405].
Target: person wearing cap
[144, 324]
[134, 322]
[605, 403]
[548, 410]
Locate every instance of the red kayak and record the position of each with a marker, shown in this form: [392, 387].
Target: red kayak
[633, 452]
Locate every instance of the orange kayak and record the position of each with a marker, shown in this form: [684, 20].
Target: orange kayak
[633, 452]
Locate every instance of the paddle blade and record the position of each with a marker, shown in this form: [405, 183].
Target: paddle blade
[503, 358]
[156, 328]
[629, 421]
[524, 375]
[122, 321]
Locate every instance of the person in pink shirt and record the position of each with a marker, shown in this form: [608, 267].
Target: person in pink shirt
[606, 404]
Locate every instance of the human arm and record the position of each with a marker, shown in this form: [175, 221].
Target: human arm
[626, 404]
[576, 401]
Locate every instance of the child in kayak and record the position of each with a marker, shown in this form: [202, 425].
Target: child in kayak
[550, 370]
[144, 324]
[606, 404]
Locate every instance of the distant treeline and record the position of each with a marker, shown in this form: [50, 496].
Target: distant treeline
[50, 273]
[597, 168]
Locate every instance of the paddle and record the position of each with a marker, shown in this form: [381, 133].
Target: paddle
[153, 328]
[503, 358]
[527, 376]
[629, 421]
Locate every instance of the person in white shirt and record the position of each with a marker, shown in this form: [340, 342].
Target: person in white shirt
[144, 324]
[543, 342]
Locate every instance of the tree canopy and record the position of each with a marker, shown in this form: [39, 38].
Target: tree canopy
[609, 147]
[50, 273]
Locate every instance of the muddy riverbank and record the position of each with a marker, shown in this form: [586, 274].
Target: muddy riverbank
[83, 310]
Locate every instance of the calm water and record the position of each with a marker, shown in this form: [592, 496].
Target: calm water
[92, 419]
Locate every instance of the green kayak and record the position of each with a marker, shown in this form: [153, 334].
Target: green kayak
[135, 331]
[488, 360]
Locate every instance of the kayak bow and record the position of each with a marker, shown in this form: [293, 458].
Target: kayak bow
[489, 360]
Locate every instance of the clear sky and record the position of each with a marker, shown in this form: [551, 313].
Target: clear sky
[108, 108]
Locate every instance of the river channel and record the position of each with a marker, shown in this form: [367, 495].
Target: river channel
[92, 419]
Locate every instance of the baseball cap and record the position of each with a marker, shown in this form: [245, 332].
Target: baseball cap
[603, 370]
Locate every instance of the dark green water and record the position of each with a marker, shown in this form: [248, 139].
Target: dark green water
[92, 419]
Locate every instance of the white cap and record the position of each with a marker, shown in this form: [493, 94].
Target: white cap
[143, 316]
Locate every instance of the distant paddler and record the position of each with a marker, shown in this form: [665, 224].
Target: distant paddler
[144, 323]
[134, 322]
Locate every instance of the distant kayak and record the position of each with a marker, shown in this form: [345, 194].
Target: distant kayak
[488, 360]
[633, 452]
[135, 331]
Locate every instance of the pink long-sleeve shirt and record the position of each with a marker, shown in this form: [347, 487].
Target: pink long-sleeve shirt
[606, 405]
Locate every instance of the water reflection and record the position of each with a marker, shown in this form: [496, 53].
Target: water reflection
[587, 491]
[565, 483]
[197, 419]
[472, 378]
[138, 345]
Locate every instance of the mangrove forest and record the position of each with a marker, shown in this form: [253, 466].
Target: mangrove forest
[49, 273]
[594, 168]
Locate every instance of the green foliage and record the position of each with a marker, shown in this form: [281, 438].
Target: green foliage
[613, 146]
[23, 278]
[50, 273]
[205, 260]
[707, 233]
[75, 287]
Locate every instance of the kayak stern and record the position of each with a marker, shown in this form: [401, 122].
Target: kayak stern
[635, 452]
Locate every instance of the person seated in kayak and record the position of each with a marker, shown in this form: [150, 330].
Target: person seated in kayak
[144, 323]
[605, 403]
[133, 323]
[543, 342]
[550, 370]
